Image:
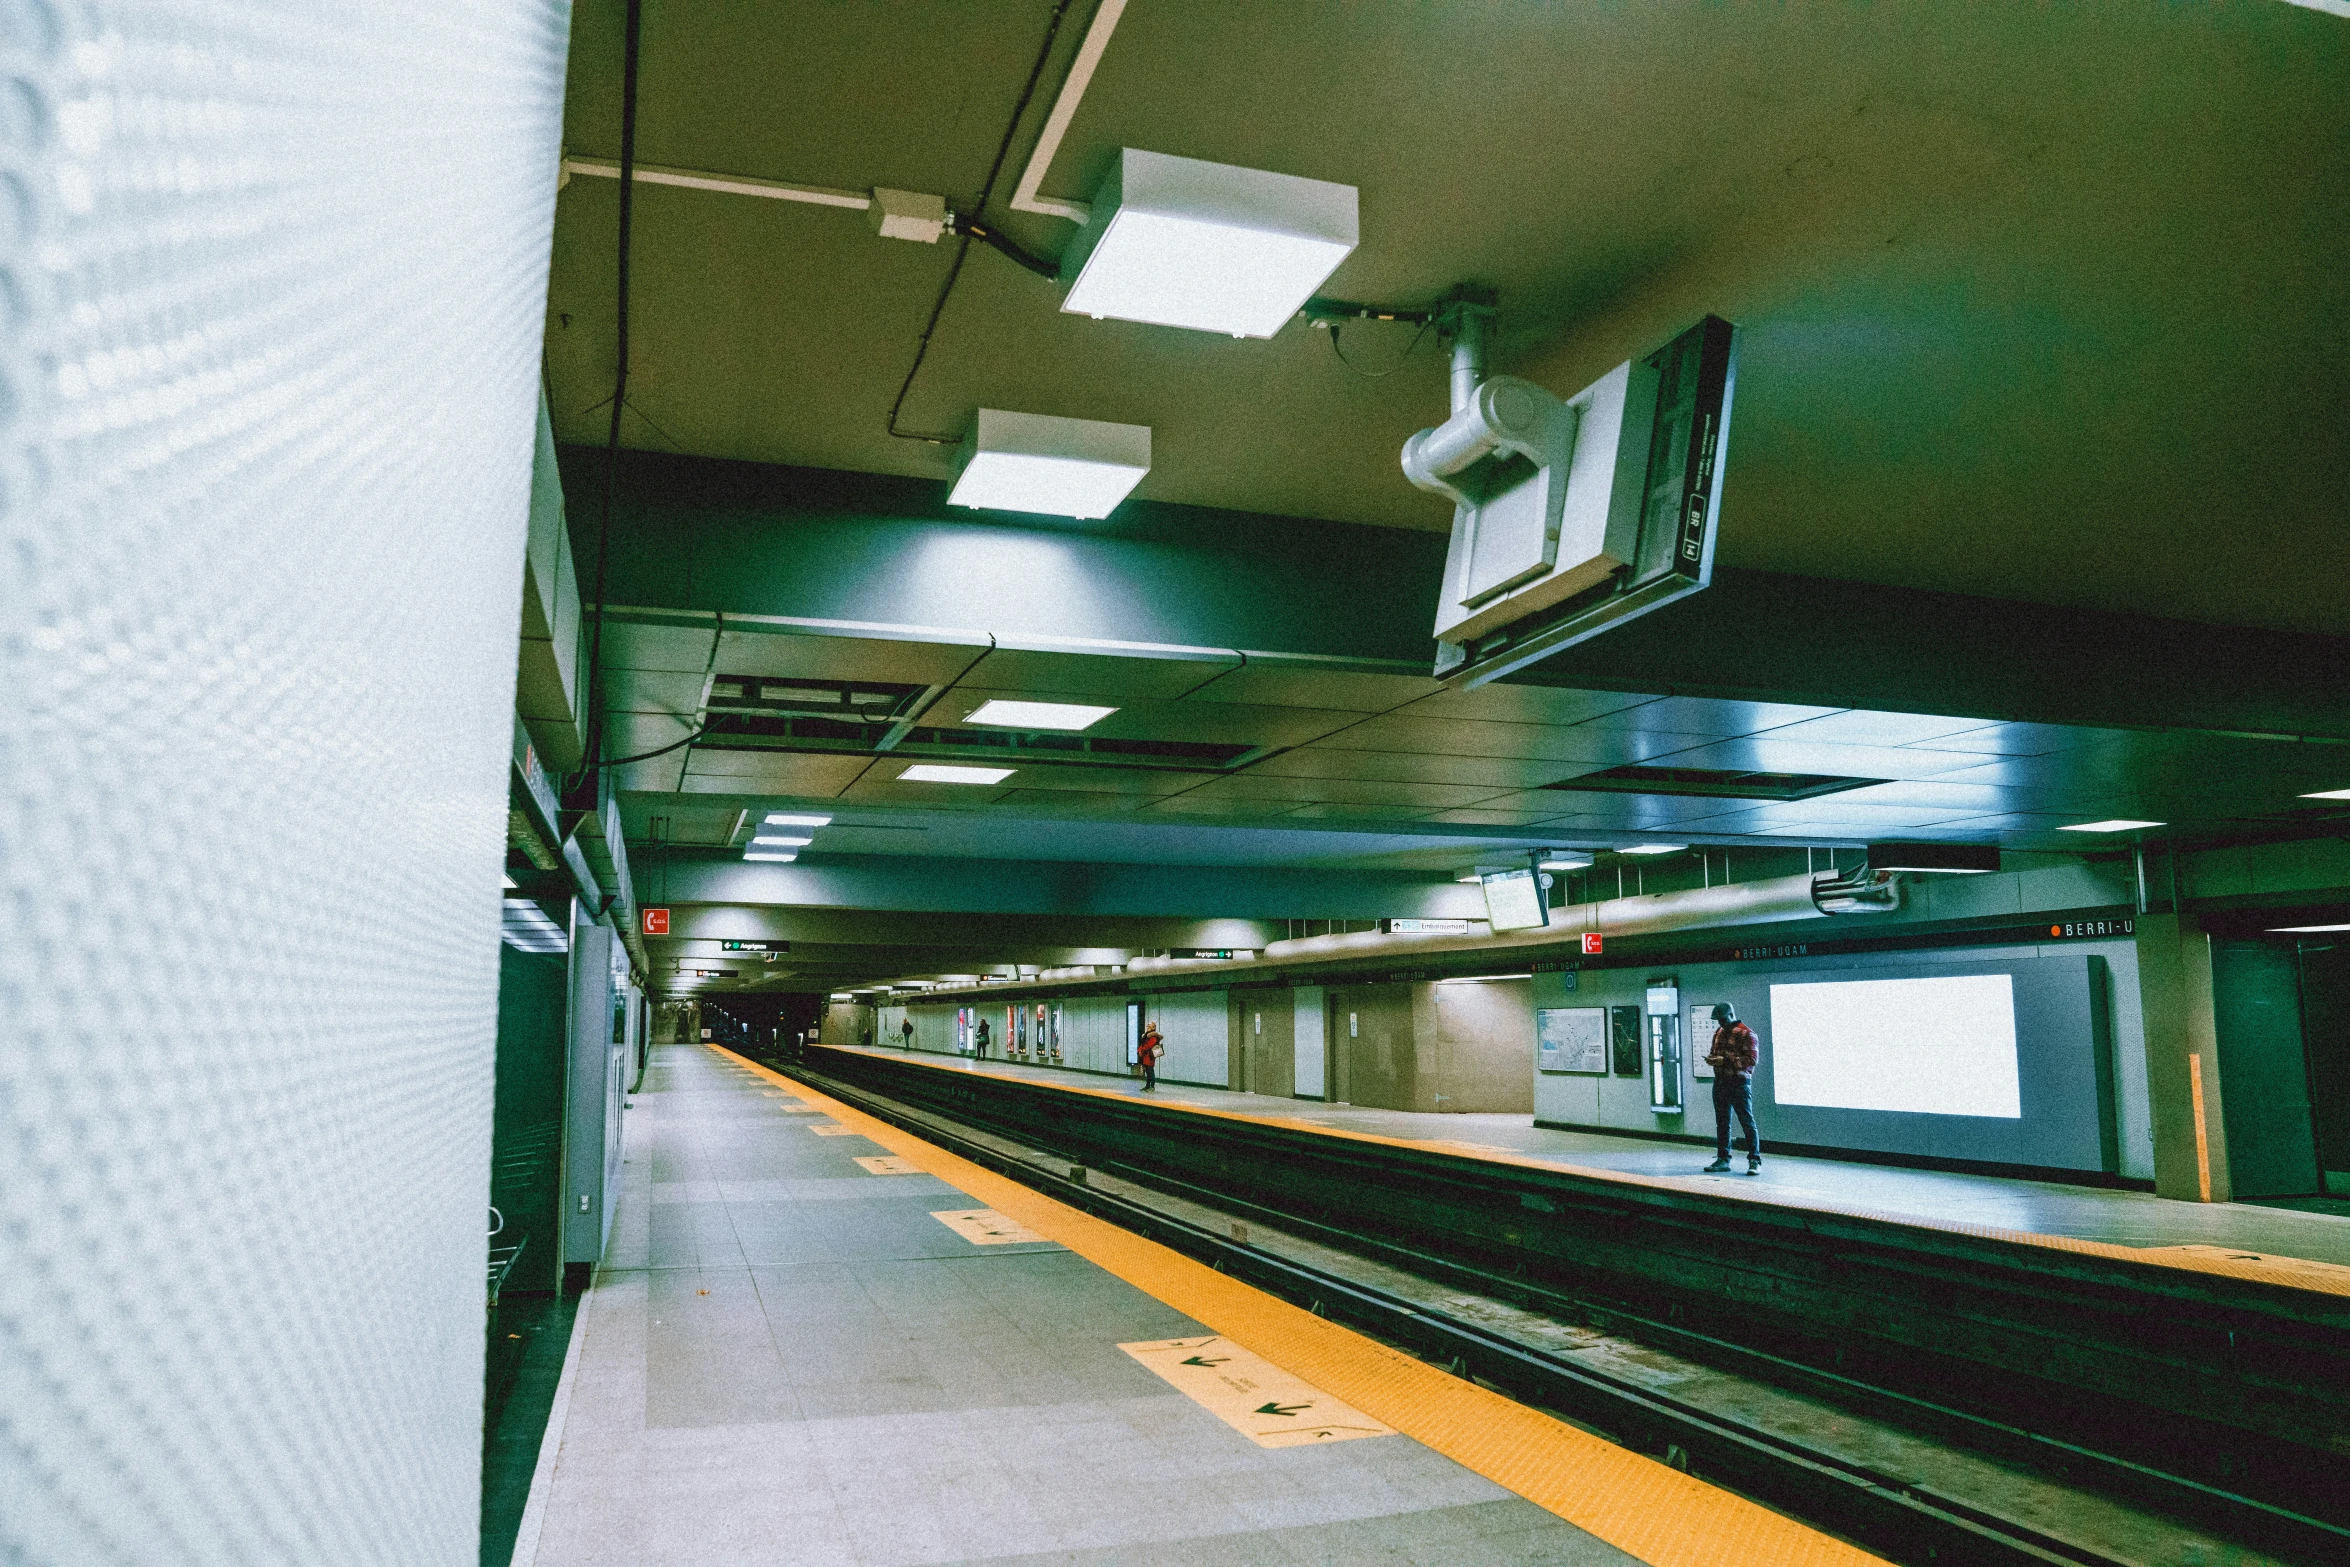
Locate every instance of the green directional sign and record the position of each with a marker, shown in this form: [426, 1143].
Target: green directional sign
[1276, 1409]
[754, 946]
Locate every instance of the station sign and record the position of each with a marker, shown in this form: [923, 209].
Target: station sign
[713, 973]
[1220, 953]
[754, 946]
[1419, 927]
[656, 922]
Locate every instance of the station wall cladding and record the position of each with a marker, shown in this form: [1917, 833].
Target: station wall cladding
[2075, 1097]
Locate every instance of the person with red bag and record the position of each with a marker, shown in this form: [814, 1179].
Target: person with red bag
[1153, 1045]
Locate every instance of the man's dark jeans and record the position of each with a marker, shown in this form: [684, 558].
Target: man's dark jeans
[1734, 1092]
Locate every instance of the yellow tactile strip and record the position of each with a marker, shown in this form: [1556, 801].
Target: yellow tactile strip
[2322, 1278]
[1641, 1507]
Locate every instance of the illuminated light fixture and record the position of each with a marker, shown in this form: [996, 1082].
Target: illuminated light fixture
[781, 841]
[1059, 467]
[1654, 848]
[1481, 979]
[1038, 715]
[2329, 794]
[1469, 879]
[939, 772]
[1565, 862]
[2304, 930]
[780, 819]
[2118, 824]
[1946, 859]
[1180, 242]
[784, 858]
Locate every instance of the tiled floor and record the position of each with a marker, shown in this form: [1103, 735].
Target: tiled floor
[2126, 1218]
[787, 1359]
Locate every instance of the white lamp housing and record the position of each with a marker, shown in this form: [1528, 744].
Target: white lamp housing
[1180, 242]
[1039, 463]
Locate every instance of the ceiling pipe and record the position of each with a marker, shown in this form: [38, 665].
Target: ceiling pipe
[1025, 196]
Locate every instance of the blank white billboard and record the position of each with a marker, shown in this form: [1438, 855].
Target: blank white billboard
[1938, 1046]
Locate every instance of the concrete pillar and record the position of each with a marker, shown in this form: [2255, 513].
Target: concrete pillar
[2182, 1059]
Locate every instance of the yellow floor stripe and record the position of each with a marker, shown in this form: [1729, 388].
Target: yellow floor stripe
[1642, 1507]
[2225, 1261]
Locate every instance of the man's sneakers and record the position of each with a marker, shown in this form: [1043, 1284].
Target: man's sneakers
[1754, 1164]
[1720, 1166]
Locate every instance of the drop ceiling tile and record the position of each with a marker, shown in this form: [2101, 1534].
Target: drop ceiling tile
[631, 644]
[1592, 748]
[1342, 791]
[1609, 811]
[1095, 676]
[882, 786]
[1500, 702]
[2016, 739]
[1356, 812]
[1862, 726]
[1967, 799]
[1194, 804]
[1477, 816]
[1494, 771]
[1281, 686]
[653, 691]
[1098, 780]
[2044, 777]
[751, 651]
[1064, 798]
[1880, 819]
[1228, 723]
[774, 772]
[1702, 715]
[1764, 754]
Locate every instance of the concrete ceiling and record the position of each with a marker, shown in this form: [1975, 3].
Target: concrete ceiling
[2044, 303]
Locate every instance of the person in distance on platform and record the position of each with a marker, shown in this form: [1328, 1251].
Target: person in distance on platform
[906, 1032]
[1733, 1056]
[979, 1040]
[1152, 1044]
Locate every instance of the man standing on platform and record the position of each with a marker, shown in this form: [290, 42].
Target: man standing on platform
[1733, 1056]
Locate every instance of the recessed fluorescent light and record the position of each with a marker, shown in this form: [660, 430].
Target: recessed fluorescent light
[1059, 467]
[1654, 848]
[1470, 879]
[1480, 979]
[779, 841]
[2304, 930]
[2118, 824]
[1181, 242]
[938, 772]
[2329, 794]
[1038, 715]
[1566, 863]
[781, 859]
[780, 819]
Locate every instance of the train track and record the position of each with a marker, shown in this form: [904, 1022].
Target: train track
[1885, 1507]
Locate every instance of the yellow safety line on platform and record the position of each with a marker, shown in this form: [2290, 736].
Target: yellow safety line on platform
[2235, 1262]
[1640, 1506]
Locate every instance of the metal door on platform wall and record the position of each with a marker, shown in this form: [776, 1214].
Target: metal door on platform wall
[2264, 1073]
[2324, 965]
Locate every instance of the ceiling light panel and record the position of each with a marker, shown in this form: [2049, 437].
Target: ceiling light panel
[936, 772]
[1181, 242]
[778, 856]
[1069, 716]
[2117, 824]
[781, 841]
[2329, 794]
[1654, 848]
[783, 819]
[1048, 465]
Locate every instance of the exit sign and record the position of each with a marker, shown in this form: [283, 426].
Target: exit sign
[656, 922]
[1591, 941]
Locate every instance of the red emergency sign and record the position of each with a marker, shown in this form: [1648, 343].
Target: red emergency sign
[1591, 941]
[656, 922]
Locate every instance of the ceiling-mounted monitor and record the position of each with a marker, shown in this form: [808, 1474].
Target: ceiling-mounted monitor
[1629, 528]
[1514, 899]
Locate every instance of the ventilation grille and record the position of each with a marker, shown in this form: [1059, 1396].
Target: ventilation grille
[1709, 781]
[759, 732]
[864, 701]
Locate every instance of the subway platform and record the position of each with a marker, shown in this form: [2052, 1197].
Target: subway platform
[2314, 1248]
[816, 1338]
